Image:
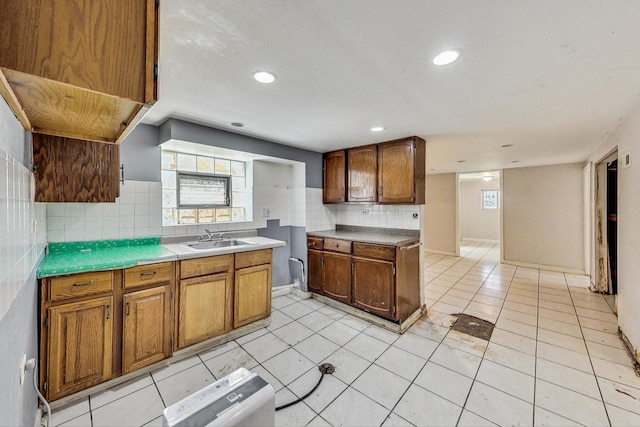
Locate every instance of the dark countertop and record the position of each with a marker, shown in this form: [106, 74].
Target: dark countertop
[370, 235]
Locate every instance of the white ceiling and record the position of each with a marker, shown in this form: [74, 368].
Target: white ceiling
[552, 77]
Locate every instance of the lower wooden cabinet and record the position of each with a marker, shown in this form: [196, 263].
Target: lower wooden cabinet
[379, 279]
[315, 280]
[205, 307]
[337, 276]
[373, 286]
[80, 345]
[97, 326]
[252, 287]
[146, 332]
[252, 294]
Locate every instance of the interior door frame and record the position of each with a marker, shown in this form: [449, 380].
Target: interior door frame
[599, 231]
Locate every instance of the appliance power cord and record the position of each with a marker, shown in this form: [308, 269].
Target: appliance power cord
[325, 368]
[33, 364]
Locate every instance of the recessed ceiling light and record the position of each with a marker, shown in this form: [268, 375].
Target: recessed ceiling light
[264, 76]
[507, 145]
[515, 161]
[446, 57]
[377, 129]
[461, 161]
[237, 124]
[487, 178]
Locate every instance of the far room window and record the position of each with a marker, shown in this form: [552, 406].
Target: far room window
[490, 199]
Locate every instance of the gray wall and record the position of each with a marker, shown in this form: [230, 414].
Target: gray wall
[542, 217]
[185, 131]
[140, 154]
[18, 325]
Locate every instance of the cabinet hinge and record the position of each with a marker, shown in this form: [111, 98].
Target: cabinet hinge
[46, 322]
[394, 310]
[155, 72]
[157, 4]
[353, 269]
[394, 271]
[44, 386]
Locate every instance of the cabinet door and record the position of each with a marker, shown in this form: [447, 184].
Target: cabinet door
[337, 277]
[401, 171]
[374, 286]
[204, 308]
[80, 342]
[105, 46]
[146, 331]
[333, 190]
[362, 174]
[70, 170]
[252, 296]
[396, 179]
[315, 281]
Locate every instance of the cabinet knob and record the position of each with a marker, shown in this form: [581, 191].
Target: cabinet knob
[337, 245]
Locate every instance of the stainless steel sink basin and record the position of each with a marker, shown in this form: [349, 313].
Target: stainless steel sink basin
[215, 244]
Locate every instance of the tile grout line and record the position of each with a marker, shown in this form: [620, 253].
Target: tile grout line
[604, 405]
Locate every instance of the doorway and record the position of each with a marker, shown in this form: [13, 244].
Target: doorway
[479, 208]
[606, 226]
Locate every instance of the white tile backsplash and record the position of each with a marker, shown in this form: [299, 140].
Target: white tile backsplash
[23, 228]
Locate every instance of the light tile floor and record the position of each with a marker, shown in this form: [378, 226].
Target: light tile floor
[554, 359]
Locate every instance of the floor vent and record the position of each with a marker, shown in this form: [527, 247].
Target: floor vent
[473, 326]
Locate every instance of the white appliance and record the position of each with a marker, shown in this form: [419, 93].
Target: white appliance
[241, 398]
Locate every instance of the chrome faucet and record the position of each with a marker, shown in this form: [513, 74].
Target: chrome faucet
[210, 235]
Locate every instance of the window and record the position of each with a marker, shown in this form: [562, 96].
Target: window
[200, 189]
[203, 191]
[490, 199]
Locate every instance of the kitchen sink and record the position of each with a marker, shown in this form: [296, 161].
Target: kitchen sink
[215, 244]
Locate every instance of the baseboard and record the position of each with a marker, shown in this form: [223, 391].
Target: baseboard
[632, 351]
[38, 421]
[436, 251]
[474, 239]
[544, 267]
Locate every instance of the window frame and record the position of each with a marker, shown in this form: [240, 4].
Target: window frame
[226, 178]
[483, 198]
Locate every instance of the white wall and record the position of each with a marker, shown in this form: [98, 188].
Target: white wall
[475, 222]
[542, 216]
[627, 138]
[21, 247]
[440, 213]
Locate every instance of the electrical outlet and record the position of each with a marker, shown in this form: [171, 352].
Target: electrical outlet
[365, 211]
[23, 368]
[266, 212]
[415, 215]
[395, 211]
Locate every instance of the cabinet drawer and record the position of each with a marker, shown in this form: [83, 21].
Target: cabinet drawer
[148, 274]
[337, 245]
[77, 285]
[207, 265]
[314, 242]
[248, 259]
[374, 251]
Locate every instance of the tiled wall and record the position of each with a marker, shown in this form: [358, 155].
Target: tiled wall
[384, 216]
[136, 213]
[319, 216]
[23, 229]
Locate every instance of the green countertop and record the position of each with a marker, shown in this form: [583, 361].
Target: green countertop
[78, 257]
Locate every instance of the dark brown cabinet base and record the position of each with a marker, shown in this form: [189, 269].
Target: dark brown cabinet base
[379, 279]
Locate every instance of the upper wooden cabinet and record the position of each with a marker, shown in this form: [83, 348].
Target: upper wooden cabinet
[401, 171]
[391, 172]
[333, 190]
[69, 170]
[82, 69]
[362, 174]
